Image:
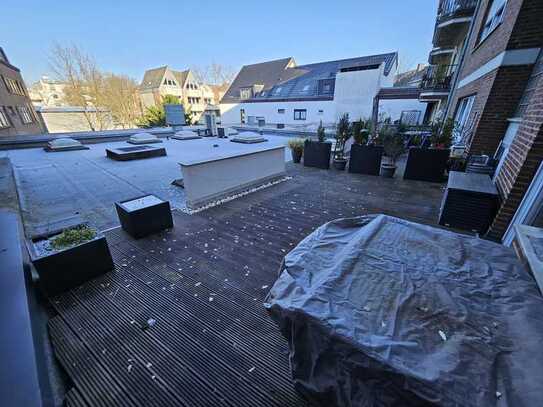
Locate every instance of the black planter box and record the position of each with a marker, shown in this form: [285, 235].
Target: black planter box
[144, 215]
[365, 159]
[68, 268]
[317, 154]
[135, 153]
[470, 202]
[426, 164]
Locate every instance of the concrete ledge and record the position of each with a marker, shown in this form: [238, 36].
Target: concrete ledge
[215, 178]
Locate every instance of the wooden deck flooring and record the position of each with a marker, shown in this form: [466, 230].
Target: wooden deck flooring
[203, 283]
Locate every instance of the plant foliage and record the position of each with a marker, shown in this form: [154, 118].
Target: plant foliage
[393, 143]
[343, 132]
[155, 116]
[321, 135]
[296, 144]
[73, 237]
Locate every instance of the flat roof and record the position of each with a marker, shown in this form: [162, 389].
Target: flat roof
[57, 189]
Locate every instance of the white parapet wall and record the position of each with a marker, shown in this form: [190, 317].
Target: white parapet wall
[217, 177]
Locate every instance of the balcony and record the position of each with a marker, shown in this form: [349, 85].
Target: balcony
[441, 56]
[453, 19]
[436, 83]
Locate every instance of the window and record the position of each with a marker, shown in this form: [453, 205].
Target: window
[25, 114]
[462, 125]
[326, 86]
[360, 68]
[306, 88]
[320, 112]
[246, 93]
[14, 86]
[494, 16]
[278, 90]
[281, 111]
[4, 121]
[300, 114]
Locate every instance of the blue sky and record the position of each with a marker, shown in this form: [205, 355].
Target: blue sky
[132, 36]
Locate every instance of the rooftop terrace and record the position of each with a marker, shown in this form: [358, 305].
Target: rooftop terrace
[202, 282]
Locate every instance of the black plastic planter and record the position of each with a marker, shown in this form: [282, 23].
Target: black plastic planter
[365, 159]
[340, 164]
[296, 155]
[317, 154]
[426, 164]
[144, 215]
[388, 170]
[65, 269]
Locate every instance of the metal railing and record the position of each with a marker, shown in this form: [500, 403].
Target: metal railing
[449, 8]
[438, 77]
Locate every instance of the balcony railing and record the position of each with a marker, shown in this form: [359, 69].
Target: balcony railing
[438, 77]
[452, 8]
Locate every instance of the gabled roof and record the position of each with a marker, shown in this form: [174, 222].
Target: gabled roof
[281, 80]
[153, 78]
[264, 73]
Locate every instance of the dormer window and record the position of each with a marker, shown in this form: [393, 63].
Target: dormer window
[306, 88]
[326, 86]
[246, 93]
[278, 90]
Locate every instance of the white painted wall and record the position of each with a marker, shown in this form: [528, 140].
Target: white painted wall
[354, 92]
[230, 113]
[394, 108]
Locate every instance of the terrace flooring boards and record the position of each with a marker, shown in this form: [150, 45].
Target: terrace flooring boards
[180, 321]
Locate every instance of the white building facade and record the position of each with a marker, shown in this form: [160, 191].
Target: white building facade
[281, 93]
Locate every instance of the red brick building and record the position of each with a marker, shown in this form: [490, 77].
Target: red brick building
[496, 98]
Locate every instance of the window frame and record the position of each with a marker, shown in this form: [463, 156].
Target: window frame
[281, 111]
[465, 112]
[4, 115]
[483, 35]
[300, 113]
[25, 114]
[245, 93]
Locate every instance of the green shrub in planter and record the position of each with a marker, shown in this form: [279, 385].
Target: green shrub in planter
[296, 146]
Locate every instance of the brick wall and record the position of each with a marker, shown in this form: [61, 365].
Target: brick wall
[503, 97]
[477, 54]
[522, 161]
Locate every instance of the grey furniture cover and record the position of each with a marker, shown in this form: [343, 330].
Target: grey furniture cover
[379, 311]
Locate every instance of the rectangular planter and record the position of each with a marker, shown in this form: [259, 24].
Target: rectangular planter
[144, 215]
[134, 153]
[66, 269]
[365, 159]
[317, 154]
[426, 164]
[470, 202]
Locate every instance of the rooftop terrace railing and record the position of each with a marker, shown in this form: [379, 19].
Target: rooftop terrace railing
[451, 8]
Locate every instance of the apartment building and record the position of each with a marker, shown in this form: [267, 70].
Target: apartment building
[17, 115]
[280, 92]
[496, 98]
[195, 96]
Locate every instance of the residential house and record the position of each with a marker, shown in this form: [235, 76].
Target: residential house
[17, 115]
[281, 92]
[48, 93]
[496, 97]
[195, 96]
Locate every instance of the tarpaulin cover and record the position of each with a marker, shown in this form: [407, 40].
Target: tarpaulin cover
[379, 311]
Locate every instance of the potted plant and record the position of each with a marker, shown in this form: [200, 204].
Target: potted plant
[296, 146]
[317, 153]
[343, 132]
[393, 146]
[429, 164]
[365, 157]
[68, 258]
